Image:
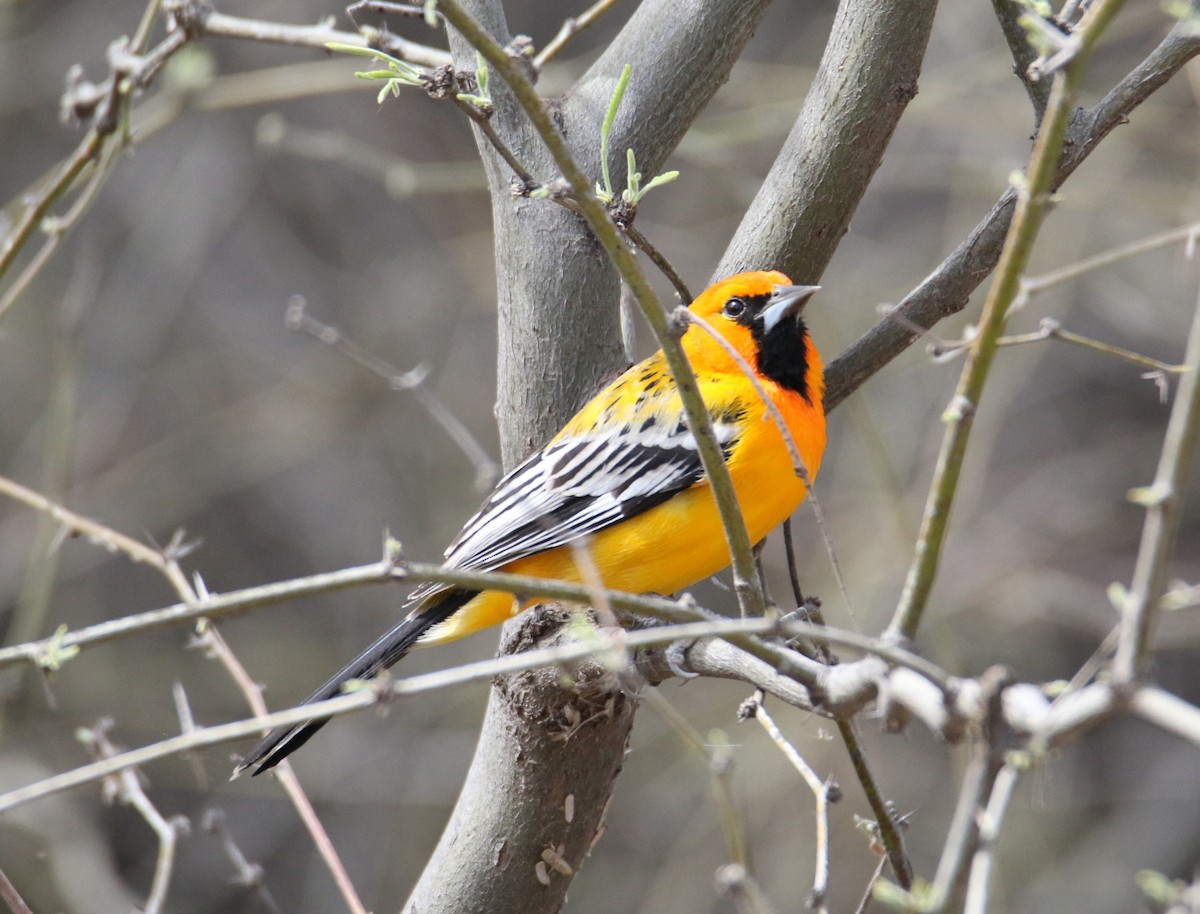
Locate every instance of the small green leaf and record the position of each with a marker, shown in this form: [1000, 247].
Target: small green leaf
[431, 14]
[658, 181]
[1157, 887]
[52, 657]
[606, 128]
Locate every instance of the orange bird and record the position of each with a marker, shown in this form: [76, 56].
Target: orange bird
[624, 480]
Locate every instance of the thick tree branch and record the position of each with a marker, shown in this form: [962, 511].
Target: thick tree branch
[868, 75]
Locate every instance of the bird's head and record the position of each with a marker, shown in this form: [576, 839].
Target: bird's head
[759, 315]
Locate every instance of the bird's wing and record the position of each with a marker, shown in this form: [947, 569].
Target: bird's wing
[582, 483]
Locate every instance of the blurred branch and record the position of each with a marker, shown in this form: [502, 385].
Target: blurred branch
[1167, 711]
[411, 381]
[11, 897]
[991, 819]
[947, 289]
[824, 792]
[123, 784]
[1163, 502]
[571, 27]
[1188, 234]
[1050, 329]
[401, 178]
[718, 760]
[201, 20]
[1033, 200]
[104, 537]
[867, 76]
[211, 642]
[247, 874]
[107, 106]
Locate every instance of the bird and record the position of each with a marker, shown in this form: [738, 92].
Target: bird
[624, 480]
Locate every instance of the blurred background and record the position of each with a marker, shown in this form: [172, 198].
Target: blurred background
[148, 381]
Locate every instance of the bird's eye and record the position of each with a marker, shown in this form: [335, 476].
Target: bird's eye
[735, 307]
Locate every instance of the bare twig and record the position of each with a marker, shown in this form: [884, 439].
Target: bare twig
[1034, 284]
[107, 105]
[719, 762]
[1049, 329]
[216, 646]
[824, 792]
[123, 784]
[634, 234]
[11, 897]
[886, 820]
[1163, 502]
[990, 821]
[246, 873]
[571, 27]
[223, 25]
[1032, 203]
[411, 381]
[220, 605]
[104, 537]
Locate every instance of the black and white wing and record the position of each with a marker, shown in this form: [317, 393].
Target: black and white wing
[577, 486]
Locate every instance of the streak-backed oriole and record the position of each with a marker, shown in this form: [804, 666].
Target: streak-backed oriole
[624, 480]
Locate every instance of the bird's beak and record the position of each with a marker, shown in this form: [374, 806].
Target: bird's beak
[786, 301]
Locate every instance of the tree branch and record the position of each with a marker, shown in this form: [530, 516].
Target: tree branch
[868, 75]
[946, 290]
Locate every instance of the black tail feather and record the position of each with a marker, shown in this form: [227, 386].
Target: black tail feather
[282, 741]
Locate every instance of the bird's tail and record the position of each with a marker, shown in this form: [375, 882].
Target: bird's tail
[283, 741]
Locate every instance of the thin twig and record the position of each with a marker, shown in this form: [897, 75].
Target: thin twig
[990, 822]
[634, 234]
[824, 792]
[798, 465]
[1185, 233]
[223, 25]
[571, 27]
[719, 762]
[220, 605]
[483, 122]
[746, 583]
[366, 697]
[1163, 502]
[11, 897]
[886, 821]
[123, 784]
[411, 381]
[104, 537]
[246, 873]
[218, 648]
[869, 891]
[1032, 204]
